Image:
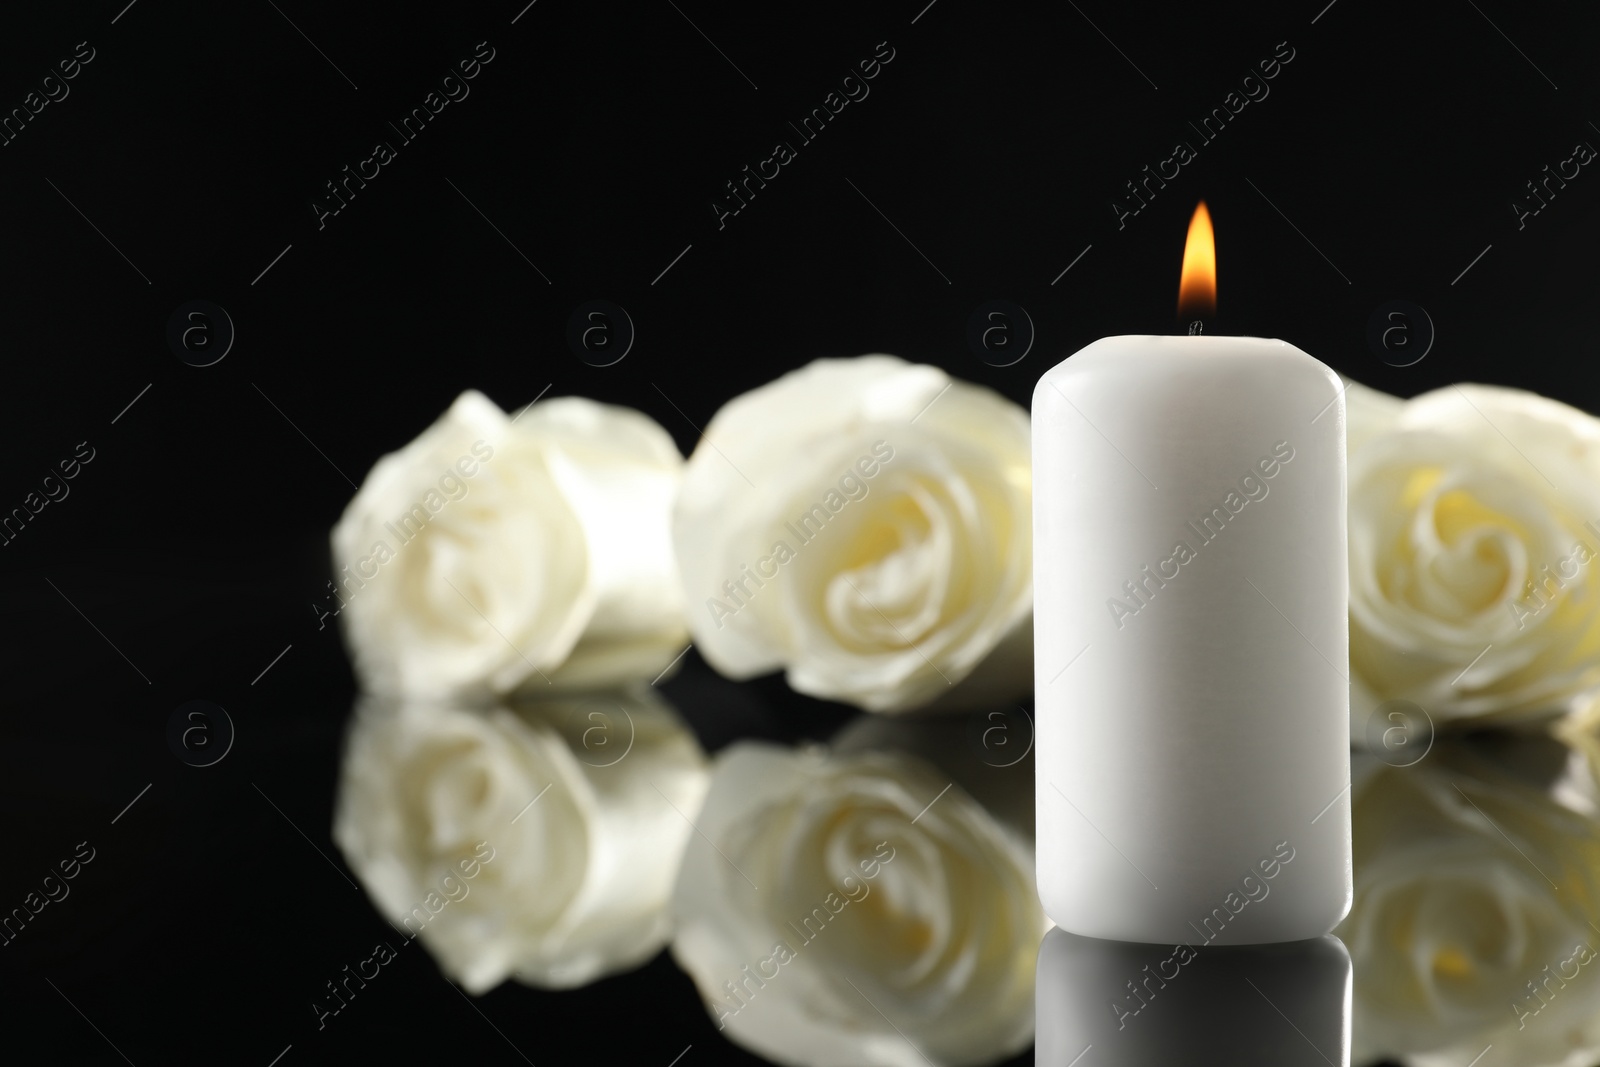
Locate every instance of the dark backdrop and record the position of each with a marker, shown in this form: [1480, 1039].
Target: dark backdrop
[584, 164]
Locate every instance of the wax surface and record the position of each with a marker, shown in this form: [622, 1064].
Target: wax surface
[1191, 642]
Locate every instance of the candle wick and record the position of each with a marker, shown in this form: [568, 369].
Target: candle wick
[1196, 328]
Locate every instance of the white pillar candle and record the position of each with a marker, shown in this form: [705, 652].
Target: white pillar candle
[1191, 642]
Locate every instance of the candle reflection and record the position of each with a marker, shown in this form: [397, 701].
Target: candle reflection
[1124, 1004]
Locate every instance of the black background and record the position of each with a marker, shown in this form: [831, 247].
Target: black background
[190, 551]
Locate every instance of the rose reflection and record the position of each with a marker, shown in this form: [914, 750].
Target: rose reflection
[857, 908]
[1473, 927]
[844, 906]
[1137, 1005]
[989, 754]
[536, 842]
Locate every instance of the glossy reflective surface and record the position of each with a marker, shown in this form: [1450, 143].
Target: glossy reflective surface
[1119, 1004]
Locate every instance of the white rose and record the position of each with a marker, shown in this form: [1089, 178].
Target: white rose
[840, 910]
[1368, 412]
[1473, 538]
[864, 523]
[1453, 917]
[493, 552]
[575, 811]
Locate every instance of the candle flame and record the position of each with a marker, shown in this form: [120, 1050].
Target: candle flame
[1197, 284]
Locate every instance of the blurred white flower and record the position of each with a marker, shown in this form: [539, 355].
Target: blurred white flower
[493, 552]
[1368, 412]
[864, 523]
[1474, 531]
[575, 811]
[1460, 940]
[852, 910]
